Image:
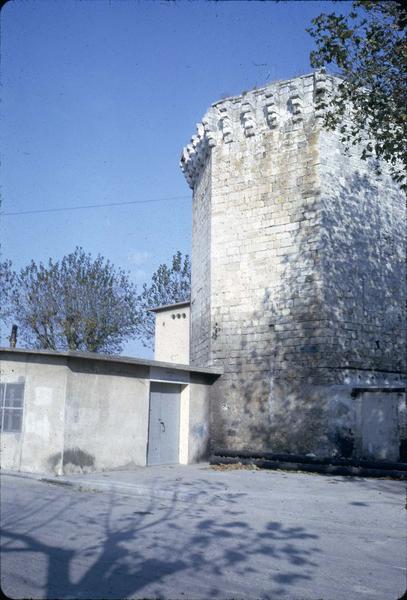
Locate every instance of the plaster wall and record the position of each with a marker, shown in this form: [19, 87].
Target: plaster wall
[84, 414]
[106, 422]
[172, 335]
[184, 430]
[42, 432]
[199, 420]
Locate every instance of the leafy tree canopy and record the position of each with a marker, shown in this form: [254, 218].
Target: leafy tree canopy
[78, 303]
[368, 50]
[170, 284]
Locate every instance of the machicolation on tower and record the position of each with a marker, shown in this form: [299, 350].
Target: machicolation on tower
[298, 278]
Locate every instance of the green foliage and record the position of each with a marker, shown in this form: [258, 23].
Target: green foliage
[78, 303]
[367, 49]
[169, 285]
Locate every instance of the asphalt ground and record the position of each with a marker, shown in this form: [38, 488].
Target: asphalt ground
[196, 532]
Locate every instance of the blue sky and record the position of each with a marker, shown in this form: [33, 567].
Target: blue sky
[98, 99]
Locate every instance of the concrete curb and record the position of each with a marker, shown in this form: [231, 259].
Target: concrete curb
[124, 489]
[22, 474]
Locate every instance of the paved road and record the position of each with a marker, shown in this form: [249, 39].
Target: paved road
[192, 532]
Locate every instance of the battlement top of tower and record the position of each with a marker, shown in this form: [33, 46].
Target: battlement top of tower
[258, 91]
[284, 102]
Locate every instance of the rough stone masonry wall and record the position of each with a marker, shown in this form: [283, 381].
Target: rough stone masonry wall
[363, 252]
[200, 281]
[269, 305]
[364, 262]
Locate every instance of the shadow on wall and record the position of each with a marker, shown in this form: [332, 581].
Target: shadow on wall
[74, 460]
[125, 551]
[337, 307]
[364, 268]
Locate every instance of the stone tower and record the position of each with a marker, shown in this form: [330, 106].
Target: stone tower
[298, 278]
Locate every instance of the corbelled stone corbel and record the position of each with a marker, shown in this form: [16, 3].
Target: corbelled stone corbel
[249, 124]
[320, 83]
[271, 110]
[226, 125]
[296, 106]
[320, 89]
[194, 154]
[209, 133]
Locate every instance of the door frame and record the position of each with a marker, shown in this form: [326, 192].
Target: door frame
[183, 426]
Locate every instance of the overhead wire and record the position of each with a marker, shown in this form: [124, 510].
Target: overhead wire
[87, 206]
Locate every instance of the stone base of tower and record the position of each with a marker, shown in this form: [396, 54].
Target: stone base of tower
[361, 416]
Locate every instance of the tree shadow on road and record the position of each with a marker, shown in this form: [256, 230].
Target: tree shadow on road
[109, 548]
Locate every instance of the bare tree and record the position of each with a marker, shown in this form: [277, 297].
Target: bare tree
[78, 303]
[169, 284]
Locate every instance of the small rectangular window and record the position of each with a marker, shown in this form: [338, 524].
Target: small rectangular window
[11, 406]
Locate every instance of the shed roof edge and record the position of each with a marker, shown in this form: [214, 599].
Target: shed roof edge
[113, 359]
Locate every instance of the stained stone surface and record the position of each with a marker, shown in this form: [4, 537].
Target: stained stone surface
[298, 274]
